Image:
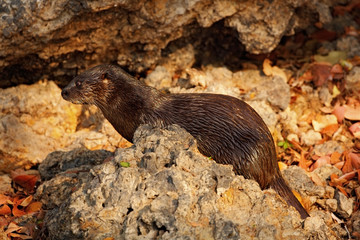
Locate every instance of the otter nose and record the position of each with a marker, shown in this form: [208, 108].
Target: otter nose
[65, 93]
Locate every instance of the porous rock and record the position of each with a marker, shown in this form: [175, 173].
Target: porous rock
[41, 39]
[35, 121]
[169, 191]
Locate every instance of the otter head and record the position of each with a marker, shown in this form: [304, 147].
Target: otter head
[90, 87]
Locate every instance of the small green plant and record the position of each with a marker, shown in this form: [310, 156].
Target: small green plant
[284, 144]
[124, 164]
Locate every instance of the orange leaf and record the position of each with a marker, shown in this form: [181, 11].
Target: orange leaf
[5, 210]
[355, 160]
[347, 166]
[348, 176]
[26, 181]
[352, 113]
[320, 162]
[330, 129]
[4, 199]
[12, 227]
[321, 73]
[355, 129]
[335, 158]
[34, 207]
[339, 112]
[17, 212]
[342, 190]
[25, 202]
[21, 236]
[302, 162]
[339, 165]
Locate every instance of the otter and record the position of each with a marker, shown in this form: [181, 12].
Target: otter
[225, 128]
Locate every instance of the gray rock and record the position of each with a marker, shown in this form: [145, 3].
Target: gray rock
[345, 205]
[175, 193]
[324, 172]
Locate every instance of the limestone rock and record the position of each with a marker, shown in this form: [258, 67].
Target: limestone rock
[169, 191]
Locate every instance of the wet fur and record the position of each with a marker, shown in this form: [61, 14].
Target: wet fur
[226, 128]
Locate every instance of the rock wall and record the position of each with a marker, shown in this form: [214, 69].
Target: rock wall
[55, 39]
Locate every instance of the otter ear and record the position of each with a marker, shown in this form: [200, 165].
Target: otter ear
[104, 76]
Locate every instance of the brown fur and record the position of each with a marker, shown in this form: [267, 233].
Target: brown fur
[226, 128]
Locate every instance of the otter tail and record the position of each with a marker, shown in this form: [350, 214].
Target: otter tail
[281, 187]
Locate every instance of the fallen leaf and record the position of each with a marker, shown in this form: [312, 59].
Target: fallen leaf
[335, 158]
[12, 227]
[5, 210]
[352, 113]
[4, 199]
[321, 73]
[322, 121]
[273, 70]
[282, 166]
[20, 236]
[330, 129]
[342, 190]
[324, 35]
[339, 112]
[339, 165]
[348, 176]
[337, 72]
[26, 201]
[347, 65]
[332, 58]
[335, 92]
[16, 211]
[355, 129]
[347, 165]
[355, 160]
[28, 182]
[33, 207]
[320, 162]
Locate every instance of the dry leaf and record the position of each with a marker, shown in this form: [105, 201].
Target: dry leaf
[321, 73]
[324, 35]
[352, 113]
[5, 210]
[335, 158]
[20, 236]
[330, 129]
[26, 201]
[34, 207]
[339, 165]
[355, 129]
[347, 165]
[12, 227]
[322, 121]
[28, 182]
[273, 70]
[4, 199]
[348, 176]
[355, 160]
[282, 166]
[320, 162]
[339, 112]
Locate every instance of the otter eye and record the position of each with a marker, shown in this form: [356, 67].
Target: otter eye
[78, 83]
[104, 76]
